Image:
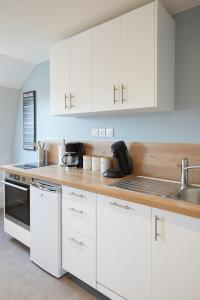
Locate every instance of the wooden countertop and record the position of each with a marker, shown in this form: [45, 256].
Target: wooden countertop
[94, 182]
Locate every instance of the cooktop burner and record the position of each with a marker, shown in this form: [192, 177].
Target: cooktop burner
[31, 166]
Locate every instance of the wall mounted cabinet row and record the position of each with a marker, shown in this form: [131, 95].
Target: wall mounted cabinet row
[130, 251]
[124, 64]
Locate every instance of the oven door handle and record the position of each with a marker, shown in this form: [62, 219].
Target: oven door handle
[14, 185]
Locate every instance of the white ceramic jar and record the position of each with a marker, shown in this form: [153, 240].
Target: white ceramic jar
[105, 164]
[95, 163]
[87, 162]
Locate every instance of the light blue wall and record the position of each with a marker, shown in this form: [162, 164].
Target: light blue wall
[181, 125]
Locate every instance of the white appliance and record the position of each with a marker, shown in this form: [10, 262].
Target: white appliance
[45, 226]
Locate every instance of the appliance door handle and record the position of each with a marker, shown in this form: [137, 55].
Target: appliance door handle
[15, 186]
[44, 187]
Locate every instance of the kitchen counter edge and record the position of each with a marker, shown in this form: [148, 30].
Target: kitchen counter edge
[96, 183]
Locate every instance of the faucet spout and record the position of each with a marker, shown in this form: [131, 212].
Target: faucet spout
[184, 171]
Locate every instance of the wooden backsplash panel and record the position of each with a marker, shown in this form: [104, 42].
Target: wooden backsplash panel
[161, 160]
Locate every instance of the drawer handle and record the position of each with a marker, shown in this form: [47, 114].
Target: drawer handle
[76, 210]
[76, 195]
[73, 240]
[119, 205]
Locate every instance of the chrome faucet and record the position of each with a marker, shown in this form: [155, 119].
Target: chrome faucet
[184, 171]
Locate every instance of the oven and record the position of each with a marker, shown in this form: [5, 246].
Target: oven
[17, 200]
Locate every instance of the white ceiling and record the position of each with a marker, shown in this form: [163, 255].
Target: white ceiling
[29, 28]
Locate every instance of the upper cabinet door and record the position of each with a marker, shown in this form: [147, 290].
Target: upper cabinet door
[59, 77]
[81, 73]
[138, 57]
[107, 65]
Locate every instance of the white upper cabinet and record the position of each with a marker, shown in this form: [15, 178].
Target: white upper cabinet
[138, 58]
[107, 65]
[59, 77]
[124, 64]
[175, 256]
[71, 75]
[81, 73]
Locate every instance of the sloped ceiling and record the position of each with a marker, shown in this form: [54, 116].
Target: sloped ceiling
[13, 71]
[29, 28]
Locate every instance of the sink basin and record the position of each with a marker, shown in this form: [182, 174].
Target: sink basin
[161, 188]
[147, 185]
[190, 194]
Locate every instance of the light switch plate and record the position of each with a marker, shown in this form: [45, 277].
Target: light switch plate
[102, 132]
[95, 132]
[109, 132]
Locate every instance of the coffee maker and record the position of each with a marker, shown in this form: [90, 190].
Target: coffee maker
[73, 157]
[123, 161]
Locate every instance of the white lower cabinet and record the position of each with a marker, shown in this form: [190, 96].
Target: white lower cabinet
[123, 249]
[79, 234]
[175, 256]
[79, 256]
[130, 251]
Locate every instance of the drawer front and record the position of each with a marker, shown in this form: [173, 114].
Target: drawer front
[80, 195]
[79, 213]
[79, 256]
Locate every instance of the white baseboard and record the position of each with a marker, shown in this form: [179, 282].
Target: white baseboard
[1, 197]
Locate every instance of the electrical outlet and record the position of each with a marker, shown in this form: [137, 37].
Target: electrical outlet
[95, 132]
[109, 132]
[102, 132]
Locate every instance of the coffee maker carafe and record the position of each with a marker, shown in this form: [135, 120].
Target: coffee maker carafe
[123, 161]
[73, 157]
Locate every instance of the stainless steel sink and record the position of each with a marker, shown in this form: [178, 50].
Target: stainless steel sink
[158, 187]
[161, 188]
[190, 194]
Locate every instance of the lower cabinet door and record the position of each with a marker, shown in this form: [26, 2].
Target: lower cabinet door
[79, 256]
[124, 248]
[175, 256]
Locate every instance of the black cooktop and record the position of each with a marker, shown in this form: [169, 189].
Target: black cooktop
[32, 165]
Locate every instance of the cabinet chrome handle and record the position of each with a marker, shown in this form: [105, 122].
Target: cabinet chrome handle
[70, 100]
[14, 186]
[119, 205]
[123, 89]
[76, 210]
[156, 228]
[66, 97]
[76, 195]
[114, 90]
[73, 240]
